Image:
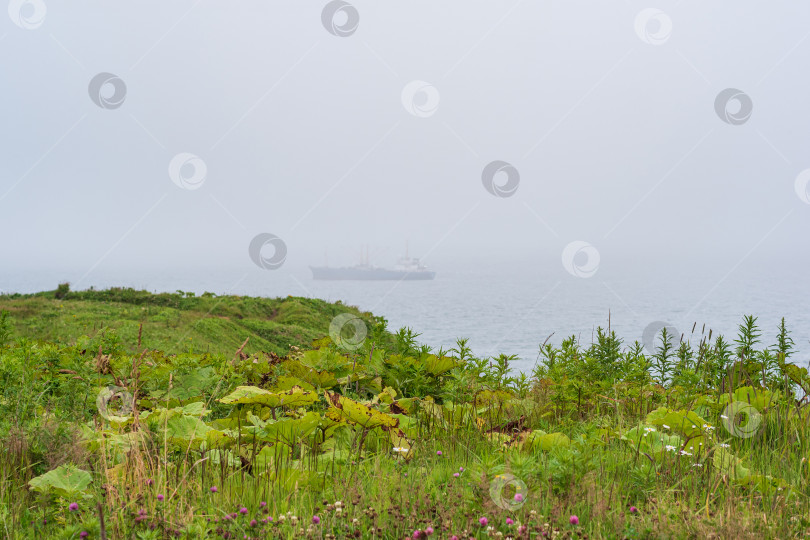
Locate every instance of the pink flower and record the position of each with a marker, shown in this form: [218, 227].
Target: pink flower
[509, 521]
[84, 534]
[262, 504]
[461, 469]
[243, 510]
[253, 522]
[633, 509]
[519, 497]
[160, 498]
[522, 529]
[573, 520]
[439, 453]
[429, 530]
[316, 520]
[214, 489]
[454, 537]
[417, 534]
[150, 482]
[73, 507]
[483, 521]
[456, 475]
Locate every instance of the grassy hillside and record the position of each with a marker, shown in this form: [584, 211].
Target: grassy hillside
[382, 438]
[176, 322]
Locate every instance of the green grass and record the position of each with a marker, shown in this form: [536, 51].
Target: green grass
[386, 439]
[176, 322]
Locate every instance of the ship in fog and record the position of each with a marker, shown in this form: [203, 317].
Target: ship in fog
[407, 268]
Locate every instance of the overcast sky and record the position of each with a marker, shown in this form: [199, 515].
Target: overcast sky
[290, 119]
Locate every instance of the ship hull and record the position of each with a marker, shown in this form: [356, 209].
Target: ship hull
[369, 274]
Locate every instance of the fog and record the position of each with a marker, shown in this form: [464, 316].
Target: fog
[293, 122]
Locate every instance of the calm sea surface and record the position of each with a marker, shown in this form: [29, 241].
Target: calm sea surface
[510, 309]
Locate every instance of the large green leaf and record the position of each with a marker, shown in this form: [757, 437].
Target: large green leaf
[252, 395]
[65, 480]
[729, 464]
[313, 376]
[758, 398]
[652, 442]
[357, 413]
[682, 421]
[287, 430]
[183, 429]
[436, 365]
[285, 383]
[540, 440]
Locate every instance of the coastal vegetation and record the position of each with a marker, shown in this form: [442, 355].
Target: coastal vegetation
[127, 414]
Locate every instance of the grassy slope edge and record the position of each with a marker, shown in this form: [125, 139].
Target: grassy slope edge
[177, 322]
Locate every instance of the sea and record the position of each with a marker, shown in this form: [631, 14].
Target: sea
[511, 308]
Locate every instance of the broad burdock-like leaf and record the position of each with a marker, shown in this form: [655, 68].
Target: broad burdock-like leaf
[65, 480]
[540, 440]
[252, 395]
[686, 422]
[357, 413]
